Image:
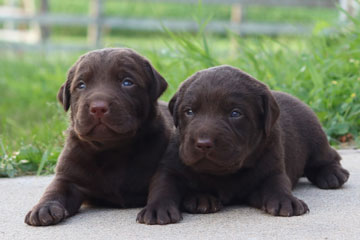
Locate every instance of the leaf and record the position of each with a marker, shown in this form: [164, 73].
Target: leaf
[44, 159]
[341, 128]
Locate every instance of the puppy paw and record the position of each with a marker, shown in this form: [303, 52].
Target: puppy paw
[201, 203]
[331, 177]
[286, 206]
[48, 213]
[159, 214]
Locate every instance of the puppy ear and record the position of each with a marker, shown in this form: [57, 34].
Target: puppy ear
[64, 91]
[173, 108]
[271, 112]
[158, 84]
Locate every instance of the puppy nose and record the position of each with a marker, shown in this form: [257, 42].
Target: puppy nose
[99, 108]
[204, 144]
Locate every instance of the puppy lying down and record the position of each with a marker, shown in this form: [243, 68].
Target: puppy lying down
[117, 135]
[238, 142]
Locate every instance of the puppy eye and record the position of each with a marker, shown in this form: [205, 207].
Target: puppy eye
[127, 82]
[236, 114]
[81, 85]
[189, 112]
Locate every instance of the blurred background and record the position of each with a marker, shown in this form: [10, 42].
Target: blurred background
[308, 48]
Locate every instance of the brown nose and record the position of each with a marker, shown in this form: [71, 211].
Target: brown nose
[204, 144]
[99, 108]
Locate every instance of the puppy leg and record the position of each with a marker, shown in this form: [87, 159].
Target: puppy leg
[163, 206]
[274, 196]
[60, 200]
[201, 203]
[325, 171]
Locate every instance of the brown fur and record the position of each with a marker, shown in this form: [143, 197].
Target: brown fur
[117, 135]
[239, 142]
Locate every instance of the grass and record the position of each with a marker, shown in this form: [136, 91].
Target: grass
[323, 71]
[31, 121]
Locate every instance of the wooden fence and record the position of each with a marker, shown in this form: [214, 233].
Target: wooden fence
[96, 21]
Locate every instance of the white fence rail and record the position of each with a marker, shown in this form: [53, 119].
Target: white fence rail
[96, 21]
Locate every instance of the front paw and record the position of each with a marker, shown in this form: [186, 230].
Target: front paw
[48, 213]
[161, 213]
[285, 205]
[331, 177]
[202, 203]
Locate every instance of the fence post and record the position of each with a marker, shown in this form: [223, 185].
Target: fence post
[9, 25]
[350, 6]
[95, 27]
[33, 34]
[236, 18]
[236, 13]
[44, 30]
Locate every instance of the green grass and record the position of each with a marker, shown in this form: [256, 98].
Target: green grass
[323, 71]
[31, 121]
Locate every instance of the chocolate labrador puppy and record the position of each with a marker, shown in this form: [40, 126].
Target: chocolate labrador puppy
[117, 135]
[239, 142]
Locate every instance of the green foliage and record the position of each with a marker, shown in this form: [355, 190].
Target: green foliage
[28, 160]
[31, 120]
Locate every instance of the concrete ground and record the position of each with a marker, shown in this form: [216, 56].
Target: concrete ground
[334, 214]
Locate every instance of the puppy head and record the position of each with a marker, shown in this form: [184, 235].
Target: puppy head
[222, 115]
[111, 93]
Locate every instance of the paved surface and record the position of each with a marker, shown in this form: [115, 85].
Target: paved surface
[335, 214]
